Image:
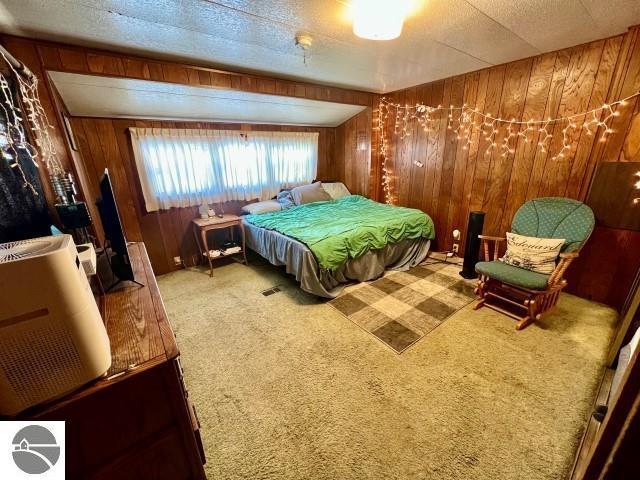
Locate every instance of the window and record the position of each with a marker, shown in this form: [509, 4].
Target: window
[182, 168]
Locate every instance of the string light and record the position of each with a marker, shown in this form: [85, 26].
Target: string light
[637, 187]
[544, 133]
[609, 113]
[506, 143]
[490, 137]
[471, 124]
[567, 140]
[383, 110]
[15, 142]
[464, 124]
[405, 123]
[450, 118]
[463, 121]
[524, 133]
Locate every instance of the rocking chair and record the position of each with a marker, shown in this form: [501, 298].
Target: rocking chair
[523, 294]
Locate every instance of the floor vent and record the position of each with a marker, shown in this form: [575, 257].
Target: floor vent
[270, 291]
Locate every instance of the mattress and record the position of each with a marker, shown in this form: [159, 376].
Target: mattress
[339, 230]
[282, 250]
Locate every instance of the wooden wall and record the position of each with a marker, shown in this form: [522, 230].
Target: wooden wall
[452, 181]
[105, 142]
[352, 163]
[455, 181]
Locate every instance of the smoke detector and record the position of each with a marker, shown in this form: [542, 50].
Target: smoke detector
[304, 41]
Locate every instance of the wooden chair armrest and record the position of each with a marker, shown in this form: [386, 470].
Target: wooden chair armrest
[561, 267]
[485, 239]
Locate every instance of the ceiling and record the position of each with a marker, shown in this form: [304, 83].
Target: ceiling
[443, 38]
[95, 96]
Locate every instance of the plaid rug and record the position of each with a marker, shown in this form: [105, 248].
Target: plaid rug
[402, 307]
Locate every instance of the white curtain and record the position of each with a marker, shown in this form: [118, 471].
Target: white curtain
[185, 167]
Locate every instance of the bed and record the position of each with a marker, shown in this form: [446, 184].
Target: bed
[326, 244]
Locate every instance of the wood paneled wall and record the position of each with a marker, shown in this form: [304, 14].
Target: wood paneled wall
[452, 181]
[455, 180]
[352, 164]
[105, 142]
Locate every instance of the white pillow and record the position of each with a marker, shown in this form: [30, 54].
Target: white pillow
[336, 190]
[532, 253]
[261, 207]
[309, 194]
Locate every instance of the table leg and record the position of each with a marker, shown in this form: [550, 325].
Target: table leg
[244, 244]
[198, 246]
[203, 235]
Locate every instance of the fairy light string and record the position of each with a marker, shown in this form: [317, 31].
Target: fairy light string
[464, 120]
[14, 140]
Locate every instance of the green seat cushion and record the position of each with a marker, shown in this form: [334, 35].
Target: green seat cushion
[513, 275]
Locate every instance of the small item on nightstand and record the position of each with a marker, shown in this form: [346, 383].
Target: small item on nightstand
[214, 253]
[203, 211]
[230, 247]
[217, 211]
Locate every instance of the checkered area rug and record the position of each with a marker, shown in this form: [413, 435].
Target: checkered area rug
[402, 307]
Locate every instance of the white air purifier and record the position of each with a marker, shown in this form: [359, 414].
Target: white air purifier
[52, 338]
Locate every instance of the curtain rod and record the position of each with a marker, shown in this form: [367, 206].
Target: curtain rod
[15, 63]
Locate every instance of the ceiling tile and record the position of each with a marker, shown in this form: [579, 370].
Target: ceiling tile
[614, 16]
[460, 25]
[546, 24]
[444, 37]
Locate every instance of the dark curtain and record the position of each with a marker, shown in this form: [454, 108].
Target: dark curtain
[22, 214]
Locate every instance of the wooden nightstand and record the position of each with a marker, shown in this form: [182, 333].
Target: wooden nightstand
[204, 225]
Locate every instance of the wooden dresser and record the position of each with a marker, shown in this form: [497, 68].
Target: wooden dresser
[138, 422]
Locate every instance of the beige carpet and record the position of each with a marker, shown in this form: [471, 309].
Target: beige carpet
[288, 388]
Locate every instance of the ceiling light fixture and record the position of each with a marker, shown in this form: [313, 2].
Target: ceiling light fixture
[379, 19]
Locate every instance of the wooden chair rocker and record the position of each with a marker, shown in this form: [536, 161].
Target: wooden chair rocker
[508, 289]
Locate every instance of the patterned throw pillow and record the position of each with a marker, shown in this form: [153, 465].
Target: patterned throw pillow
[285, 199]
[532, 253]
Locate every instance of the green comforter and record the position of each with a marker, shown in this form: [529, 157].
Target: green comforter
[338, 230]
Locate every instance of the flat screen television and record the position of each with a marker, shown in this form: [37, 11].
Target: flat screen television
[113, 231]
